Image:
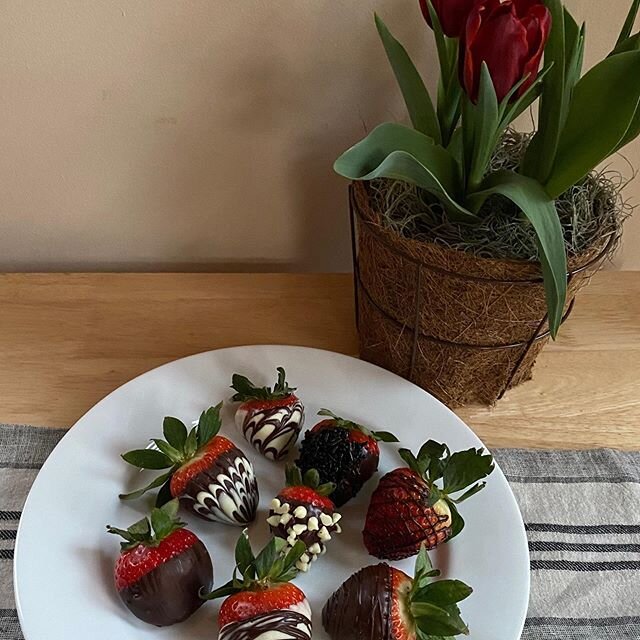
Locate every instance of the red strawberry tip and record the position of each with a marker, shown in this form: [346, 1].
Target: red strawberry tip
[137, 561]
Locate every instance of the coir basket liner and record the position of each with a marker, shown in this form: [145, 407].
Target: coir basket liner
[464, 328]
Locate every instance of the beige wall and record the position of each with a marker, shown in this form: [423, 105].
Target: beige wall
[174, 133]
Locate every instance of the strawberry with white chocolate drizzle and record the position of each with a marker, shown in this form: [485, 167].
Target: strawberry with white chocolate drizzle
[207, 472]
[270, 419]
[302, 511]
[261, 603]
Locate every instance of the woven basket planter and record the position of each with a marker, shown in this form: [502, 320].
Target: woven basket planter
[464, 328]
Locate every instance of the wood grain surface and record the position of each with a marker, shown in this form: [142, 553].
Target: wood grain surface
[66, 340]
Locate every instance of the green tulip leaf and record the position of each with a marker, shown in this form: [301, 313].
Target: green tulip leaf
[539, 157]
[415, 94]
[574, 55]
[401, 153]
[481, 128]
[630, 44]
[540, 211]
[632, 132]
[601, 112]
[627, 27]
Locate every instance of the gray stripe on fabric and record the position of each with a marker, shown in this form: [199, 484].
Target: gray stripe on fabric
[584, 622]
[567, 565]
[560, 480]
[599, 463]
[583, 529]
[587, 547]
[30, 446]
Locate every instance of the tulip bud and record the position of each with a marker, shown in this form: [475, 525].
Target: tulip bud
[509, 36]
[452, 14]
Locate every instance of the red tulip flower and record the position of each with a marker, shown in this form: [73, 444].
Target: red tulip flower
[509, 36]
[452, 14]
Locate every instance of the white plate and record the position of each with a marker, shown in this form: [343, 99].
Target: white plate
[64, 558]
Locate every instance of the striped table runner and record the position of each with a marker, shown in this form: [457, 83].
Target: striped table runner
[582, 514]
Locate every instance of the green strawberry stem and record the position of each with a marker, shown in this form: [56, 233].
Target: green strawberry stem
[433, 603]
[271, 566]
[179, 447]
[311, 479]
[150, 531]
[453, 471]
[382, 436]
[246, 390]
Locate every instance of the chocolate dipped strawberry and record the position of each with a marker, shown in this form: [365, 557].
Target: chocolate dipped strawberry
[270, 419]
[162, 568]
[415, 505]
[343, 452]
[302, 511]
[261, 603]
[384, 603]
[207, 472]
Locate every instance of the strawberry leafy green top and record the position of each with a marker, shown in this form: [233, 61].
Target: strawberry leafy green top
[453, 471]
[383, 436]
[433, 603]
[150, 531]
[294, 478]
[178, 447]
[272, 565]
[246, 390]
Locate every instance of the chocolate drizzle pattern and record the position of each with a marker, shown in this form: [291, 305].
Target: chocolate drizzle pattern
[226, 492]
[272, 431]
[287, 624]
[361, 608]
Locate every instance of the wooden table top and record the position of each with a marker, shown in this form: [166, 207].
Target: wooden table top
[66, 340]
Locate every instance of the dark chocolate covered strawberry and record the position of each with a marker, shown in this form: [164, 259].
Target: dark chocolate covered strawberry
[162, 568]
[260, 600]
[343, 452]
[384, 603]
[415, 505]
[207, 472]
[270, 419]
[303, 511]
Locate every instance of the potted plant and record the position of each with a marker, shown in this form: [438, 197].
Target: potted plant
[471, 239]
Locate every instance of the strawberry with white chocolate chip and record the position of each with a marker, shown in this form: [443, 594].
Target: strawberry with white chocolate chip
[260, 600]
[270, 419]
[303, 511]
[207, 472]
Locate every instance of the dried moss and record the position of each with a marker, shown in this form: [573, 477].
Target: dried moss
[591, 210]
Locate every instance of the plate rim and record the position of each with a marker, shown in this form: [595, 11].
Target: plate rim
[34, 486]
